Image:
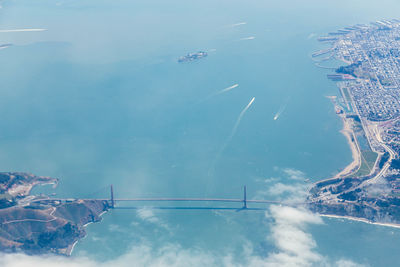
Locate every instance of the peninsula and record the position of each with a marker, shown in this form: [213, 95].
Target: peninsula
[369, 105]
[38, 224]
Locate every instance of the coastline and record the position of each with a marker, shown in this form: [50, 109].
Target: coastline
[355, 151]
[71, 247]
[353, 166]
[348, 132]
[394, 225]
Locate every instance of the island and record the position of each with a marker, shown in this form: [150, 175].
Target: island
[192, 56]
[40, 224]
[369, 106]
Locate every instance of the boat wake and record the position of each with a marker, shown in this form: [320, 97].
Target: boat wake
[229, 139]
[219, 92]
[280, 111]
[227, 89]
[238, 122]
[239, 24]
[247, 38]
[24, 30]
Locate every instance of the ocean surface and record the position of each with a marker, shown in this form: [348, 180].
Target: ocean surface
[98, 98]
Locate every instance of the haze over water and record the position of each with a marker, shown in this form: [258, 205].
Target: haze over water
[99, 98]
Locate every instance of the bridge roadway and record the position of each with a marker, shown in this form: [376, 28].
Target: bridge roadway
[226, 200]
[112, 200]
[220, 200]
[188, 208]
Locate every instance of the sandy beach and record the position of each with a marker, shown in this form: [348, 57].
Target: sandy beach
[347, 131]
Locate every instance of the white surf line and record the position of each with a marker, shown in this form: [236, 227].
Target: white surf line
[24, 30]
[247, 38]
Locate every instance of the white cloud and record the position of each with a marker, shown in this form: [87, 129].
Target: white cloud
[347, 263]
[115, 228]
[281, 188]
[382, 187]
[137, 256]
[268, 180]
[148, 215]
[295, 245]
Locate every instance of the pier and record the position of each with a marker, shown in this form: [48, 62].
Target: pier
[322, 52]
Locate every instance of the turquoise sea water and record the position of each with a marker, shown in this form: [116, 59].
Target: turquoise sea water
[98, 98]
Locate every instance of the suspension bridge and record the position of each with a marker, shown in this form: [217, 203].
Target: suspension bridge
[132, 203]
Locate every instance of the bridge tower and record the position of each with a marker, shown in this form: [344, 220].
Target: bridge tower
[244, 198]
[112, 201]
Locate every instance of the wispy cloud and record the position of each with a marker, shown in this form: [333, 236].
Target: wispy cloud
[295, 246]
[294, 174]
[116, 228]
[381, 188]
[311, 35]
[291, 187]
[148, 215]
[281, 189]
[169, 255]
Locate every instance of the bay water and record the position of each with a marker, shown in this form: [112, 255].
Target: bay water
[98, 98]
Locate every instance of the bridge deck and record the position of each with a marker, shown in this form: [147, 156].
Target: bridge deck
[236, 200]
[221, 200]
[244, 201]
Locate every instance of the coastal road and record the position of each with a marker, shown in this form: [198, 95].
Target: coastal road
[28, 220]
[385, 167]
[53, 209]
